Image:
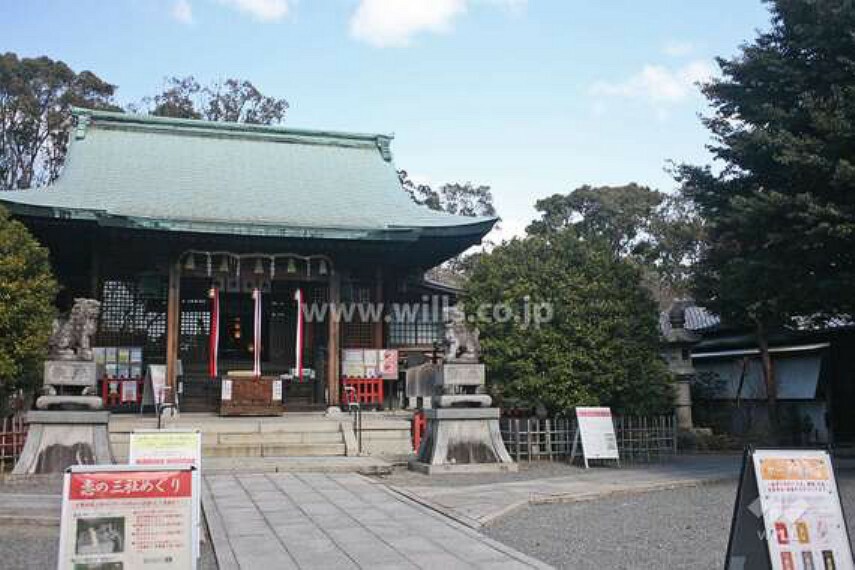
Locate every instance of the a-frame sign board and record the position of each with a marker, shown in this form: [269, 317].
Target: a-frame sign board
[788, 514]
[595, 435]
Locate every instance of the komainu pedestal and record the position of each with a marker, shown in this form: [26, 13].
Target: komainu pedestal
[463, 440]
[57, 439]
[69, 427]
[462, 429]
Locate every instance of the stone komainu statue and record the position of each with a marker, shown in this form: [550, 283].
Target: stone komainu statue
[71, 335]
[461, 341]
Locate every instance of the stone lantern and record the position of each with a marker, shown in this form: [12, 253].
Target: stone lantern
[678, 354]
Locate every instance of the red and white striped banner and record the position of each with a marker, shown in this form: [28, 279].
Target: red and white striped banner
[256, 334]
[214, 328]
[298, 297]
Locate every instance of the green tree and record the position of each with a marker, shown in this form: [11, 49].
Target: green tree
[660, 232]
[27, 291]
[463, 199]
[601, 345]
[36, 95]
[780, 210]
[617, 214]
[232, 100]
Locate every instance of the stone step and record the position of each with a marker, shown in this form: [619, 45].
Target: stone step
[337, 464]
[281, 437]
[274, 450]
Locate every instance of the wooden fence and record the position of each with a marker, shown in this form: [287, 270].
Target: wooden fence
[639, 439]
[13, 432]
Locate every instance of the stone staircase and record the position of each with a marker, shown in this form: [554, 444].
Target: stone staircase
[293, 435]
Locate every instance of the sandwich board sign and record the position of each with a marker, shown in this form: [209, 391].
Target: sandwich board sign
[165, 447]
[596, 432]
[788, 514]
[120, 517]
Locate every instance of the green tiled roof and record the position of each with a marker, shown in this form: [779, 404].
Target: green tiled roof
[198, 176]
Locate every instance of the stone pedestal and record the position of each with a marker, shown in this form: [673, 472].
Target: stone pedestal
[58, 439]
[463, 440]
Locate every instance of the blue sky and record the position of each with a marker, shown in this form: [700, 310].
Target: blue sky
[530, 97]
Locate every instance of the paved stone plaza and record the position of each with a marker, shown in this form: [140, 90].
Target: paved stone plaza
[330, 521]
[476, 503]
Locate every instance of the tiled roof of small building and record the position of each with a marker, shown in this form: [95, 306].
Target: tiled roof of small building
[188, 175]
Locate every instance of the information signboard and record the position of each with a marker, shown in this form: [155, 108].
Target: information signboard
[120, 517]
[596, 433]
[788, 514]
[154, 389]
[171, 447]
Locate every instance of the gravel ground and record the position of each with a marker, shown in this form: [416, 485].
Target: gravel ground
[675, 529]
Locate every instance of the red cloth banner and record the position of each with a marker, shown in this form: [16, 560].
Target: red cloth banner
[214, 336]
[298, 297]
[256, 334]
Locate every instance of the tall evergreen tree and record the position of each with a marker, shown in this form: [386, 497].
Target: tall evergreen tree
[780, 214]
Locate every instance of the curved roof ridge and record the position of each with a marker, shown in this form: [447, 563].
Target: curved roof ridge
[201, 125]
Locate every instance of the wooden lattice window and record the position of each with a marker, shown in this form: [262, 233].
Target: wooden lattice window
[356, 332]
[133, 313]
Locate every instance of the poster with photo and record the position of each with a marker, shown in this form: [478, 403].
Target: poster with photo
[136, 355]
[801, 510]
[389, 364]
[129, 391]
[124, 355]
[121, 517]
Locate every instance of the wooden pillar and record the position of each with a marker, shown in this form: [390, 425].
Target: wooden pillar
[173, 324]
[95, 271]
[334, 341]
[377, 327]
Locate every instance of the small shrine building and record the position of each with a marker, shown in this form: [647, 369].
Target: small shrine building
[174, 224]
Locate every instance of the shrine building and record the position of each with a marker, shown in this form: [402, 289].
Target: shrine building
[176, 225]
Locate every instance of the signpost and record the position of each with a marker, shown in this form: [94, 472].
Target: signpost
[122, 516]
[172, 447]
[788, 514]
[596, 432]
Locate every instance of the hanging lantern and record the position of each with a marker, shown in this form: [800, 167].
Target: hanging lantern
[190, 264]
[272, 267]
[259, 267]
[322, 268]
[292, 268]
[208, 264]
[224, 265]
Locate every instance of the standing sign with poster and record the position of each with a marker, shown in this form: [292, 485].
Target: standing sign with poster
[171, 447]
[122, 517]
[788, 514]
[596, 432]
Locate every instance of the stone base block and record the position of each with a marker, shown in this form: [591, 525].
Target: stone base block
[59, 439]
[67, 402]
[428, 469]
[463, 440]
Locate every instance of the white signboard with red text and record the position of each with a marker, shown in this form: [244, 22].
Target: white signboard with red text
[122, 517]
[166, 447]
[597, 434]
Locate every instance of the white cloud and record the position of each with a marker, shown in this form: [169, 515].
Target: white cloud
[658, 83]
[264, 10]
[678, 48]
[182, 11]
[393, 23]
